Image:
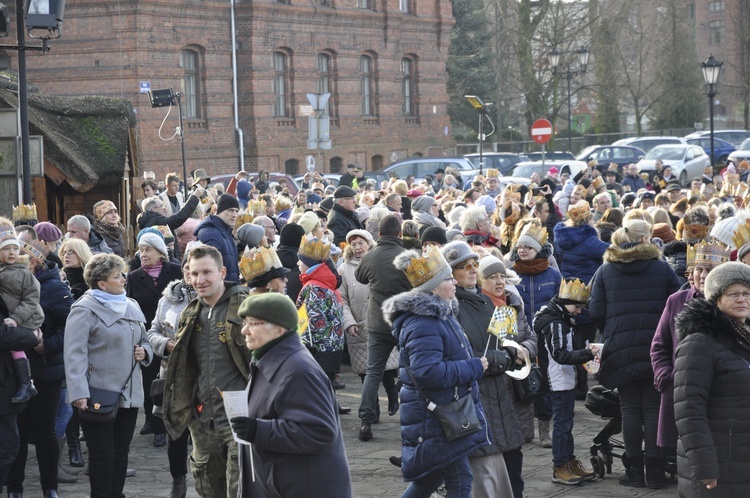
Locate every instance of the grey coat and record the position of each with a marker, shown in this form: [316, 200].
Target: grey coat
[101, 341]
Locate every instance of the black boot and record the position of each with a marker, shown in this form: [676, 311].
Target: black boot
[179, 487]
[365, 432]
[389, 382]
[75, 455]
[655, 477]
[51, 493]
[26, 390]
[633, 472]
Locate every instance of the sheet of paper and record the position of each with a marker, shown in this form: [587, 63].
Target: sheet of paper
[235, 405]
[171, 319]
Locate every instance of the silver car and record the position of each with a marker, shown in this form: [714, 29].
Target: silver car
[686, 161]
[741, 154]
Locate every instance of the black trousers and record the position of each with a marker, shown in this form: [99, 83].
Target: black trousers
[38, 420]
[8, 444]
[109, 445]
[177, 452]
[149, 373]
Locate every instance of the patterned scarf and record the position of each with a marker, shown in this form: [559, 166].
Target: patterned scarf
[113, 232]
[742, 329]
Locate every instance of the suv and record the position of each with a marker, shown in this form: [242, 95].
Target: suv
[420, 167]
[504, 162]
[648, 143]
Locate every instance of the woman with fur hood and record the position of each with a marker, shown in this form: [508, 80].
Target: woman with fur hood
[436, 363]
[628, 295]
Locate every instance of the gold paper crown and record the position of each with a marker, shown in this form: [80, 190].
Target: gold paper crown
[165, 232]
[315, 249]
[256, 208]
[492, 173]
[741, 235]
[593, 163]
[695, 231]
[536, 232]
[421, 269]
[35, 249]
[575, 290]
[597, 183]
[690, 255]
[256, 262]
[740, 190]
[733, 179]
[24, 212]
[711, 255]
[579, 211]
[243, 219]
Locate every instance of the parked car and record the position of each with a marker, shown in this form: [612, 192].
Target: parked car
[550, 155]
[687, 161]
[527, 168]
[622, 155]
[330, 178]
[722, 148]
[252, 176]
[741, 154]
[420, 167]
[734, 137]
[648, 143]
[504, 162]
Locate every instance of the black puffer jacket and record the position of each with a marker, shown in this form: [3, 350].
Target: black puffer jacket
[712, 395]
[474, 314]
[676, 254]
[628, 295]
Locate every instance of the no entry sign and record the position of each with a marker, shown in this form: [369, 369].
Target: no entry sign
[541, 131]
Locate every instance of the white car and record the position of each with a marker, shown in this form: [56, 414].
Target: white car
[648, 143]
[526, 168]
[686, 161]
[741, 154]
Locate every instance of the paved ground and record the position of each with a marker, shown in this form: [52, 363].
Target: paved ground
[372, 474]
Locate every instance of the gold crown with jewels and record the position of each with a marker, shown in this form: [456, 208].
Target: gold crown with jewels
[420, 270]
[256, 208]
[579, 211]
[574, 290]
[243, 219]
[35, 249]
[24, 212]
[536, 232]
[711, 255]
[258, 261]
[317, 250]
[492, 173]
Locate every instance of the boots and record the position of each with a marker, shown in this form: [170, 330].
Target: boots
[74, 454]
[544, 439]
[179, 487]
[26, 390]
[655, 477]
[633, 472]
[389, 382]
[63, 476]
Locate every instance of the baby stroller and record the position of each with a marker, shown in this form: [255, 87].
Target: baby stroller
[606, 404]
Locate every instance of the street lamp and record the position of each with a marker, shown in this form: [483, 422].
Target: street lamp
[554, 60]
[166, 98]
[481, 109]
[711, 70]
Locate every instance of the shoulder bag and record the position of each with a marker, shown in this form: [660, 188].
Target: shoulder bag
[103, 404]
[533, 387]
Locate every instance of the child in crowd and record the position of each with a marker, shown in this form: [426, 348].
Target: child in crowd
[20, 292]
[559, 353]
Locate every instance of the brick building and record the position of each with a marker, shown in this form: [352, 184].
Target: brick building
[383, 61]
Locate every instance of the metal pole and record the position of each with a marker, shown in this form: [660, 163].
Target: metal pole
[711, 94]
[570, 120]
[23, 103]
[481, 139]
[182, 142]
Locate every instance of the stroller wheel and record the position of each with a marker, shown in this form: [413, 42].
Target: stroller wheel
[597, 464]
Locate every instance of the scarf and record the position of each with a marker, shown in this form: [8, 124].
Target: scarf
[114, 232]
[115, 302]
[258, 353]
[742, 329]
[532, 266]
[496, 300]
[154, 271]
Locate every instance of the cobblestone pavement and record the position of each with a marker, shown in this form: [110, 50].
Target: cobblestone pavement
[372, 474]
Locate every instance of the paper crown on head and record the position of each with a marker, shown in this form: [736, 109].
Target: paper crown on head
[741, 235]
[695, 231]
[574, 290]
[258, 261]
[165, 232]
[597, 183]
[256, 208]
[733, 179]
[24, 212]
[579, 211]
[425, 267]
[492, 173]
[243, 219]
[314, 249]
[740, 190]
[711, 255]
[536, 232]
[690, 255]
[580, 190]
[34, 248]
[593, 163]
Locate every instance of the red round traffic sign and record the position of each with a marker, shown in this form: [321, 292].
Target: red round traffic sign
[541, 131]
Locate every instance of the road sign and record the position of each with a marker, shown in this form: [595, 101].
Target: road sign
[541, 131]
[145, 86]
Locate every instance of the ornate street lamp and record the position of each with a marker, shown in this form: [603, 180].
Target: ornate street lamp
[711, 71]
[554, 61]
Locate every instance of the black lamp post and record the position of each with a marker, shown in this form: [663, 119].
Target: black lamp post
[554, 60]
[711, 71]
[481, 109]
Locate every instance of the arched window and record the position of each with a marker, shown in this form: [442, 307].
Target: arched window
[367, 85]
[190, 62]
[336, 165]
[281, 70]
[377, 162]
[407, 86]
[325, 81]
[291, 166]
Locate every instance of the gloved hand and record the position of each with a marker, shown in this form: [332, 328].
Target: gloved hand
[245, 428]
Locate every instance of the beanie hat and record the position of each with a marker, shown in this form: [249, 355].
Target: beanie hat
[422, 204]
[458, 252]
[362, 213]
[314, 199]
[723, 276]
[488, 203]
[251, 235]
[743, 251]
[664, 232]
[47, 232]
[153, 240]
[244, 188]
[8, 237]
[360, 233]
[271, 307]
[531, 236]
[290, 235]
[308, 221]
[227, 201]
[434, 234]
[454, 216]
[452, 233]
[148, 230]
[414, 193]
[424, 273]
[326, 204]
[490, 265]
[569, 187]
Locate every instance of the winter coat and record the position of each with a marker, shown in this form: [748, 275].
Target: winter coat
[341, 221]
[19, 291]
[425, 220]
[214, 232]
[99, 350]
[354, 296]
[474, 314]
[711, 394]
[435, 349]
[175, 298]
[322, 302]
[578, 251]
[113, 236]
[74, 277]
[537, 289]
[97, 244]
[141, 287]
[288, 257]
[606, 230]
[628, 295]
[298, 449]
[376, 270]
[663, 350]
[675, 253]
[12, 339]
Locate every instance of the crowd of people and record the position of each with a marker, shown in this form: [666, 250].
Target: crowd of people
[443, 290]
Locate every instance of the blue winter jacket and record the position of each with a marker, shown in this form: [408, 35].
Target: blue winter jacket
[214, 232]
[578, 251]
[538, 288]
[436, 350]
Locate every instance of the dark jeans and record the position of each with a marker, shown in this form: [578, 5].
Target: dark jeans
[38, 420]
[514, 465]
[149, 374]
[177, 452]
[8, 444]
[639, 405]
[563, 406]
[379, 347]
[543, 408]
[457, 477]
[109, 445]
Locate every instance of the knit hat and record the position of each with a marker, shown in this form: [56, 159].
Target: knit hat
[244, 188]
[271, 307]
[326, 204]
[47, 232]
[743, 251]
[490, 265]
[360, 233]
[434, 234]
[426, 272]
[422, 204]
[569, 187]
[227, 201]
[8, 237]
[313, 251]
[290, 235]
[308, 221]
[414, 193]
[314, 199]
[452, 233]
[723, 276]
[251, 235]
[454, 216]
[362, 213]
[488, 203]
[724, 230]
[628, 199]
[664, 232]
[533, 236]
[102, 209]
[343, 191]
[458, 252]
[148, 230]
[155, 241]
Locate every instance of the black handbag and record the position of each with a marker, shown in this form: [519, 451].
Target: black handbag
[104, 404]
[157, 391]
[458, 418]
[533, 387]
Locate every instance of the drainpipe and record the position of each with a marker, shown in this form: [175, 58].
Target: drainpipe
[237, 129]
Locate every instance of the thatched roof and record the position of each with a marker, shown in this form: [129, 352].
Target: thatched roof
[87, 138]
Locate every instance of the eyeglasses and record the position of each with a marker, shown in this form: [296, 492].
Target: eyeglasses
[468, 266]
[273, 227]
[745, 296]
[255, 324]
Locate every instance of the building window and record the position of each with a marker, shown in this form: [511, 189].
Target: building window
[336, 165]
[717, 6]
[377, 162]
[325, 3]
[324, 81]
[291, 166]
[281, 84]
[407, 86]
[715, 32]
[365, 4]
[4, 61]
[190, 83]
[405, 6]
[367, 85]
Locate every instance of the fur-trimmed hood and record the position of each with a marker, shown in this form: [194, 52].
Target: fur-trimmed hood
[700, 316]
[418, 303]
[631, 254]
[674, 247]
[176, 292]
[569, 237]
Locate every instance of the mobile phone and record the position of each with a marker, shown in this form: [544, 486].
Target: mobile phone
[536, 190]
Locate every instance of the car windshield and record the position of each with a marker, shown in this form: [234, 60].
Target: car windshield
[666, 153]
[585, 152]
[525, 170]
[537, 156]
[745, 145]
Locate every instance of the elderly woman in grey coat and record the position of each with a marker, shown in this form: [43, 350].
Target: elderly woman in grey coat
[104, 338]
[425, 210]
